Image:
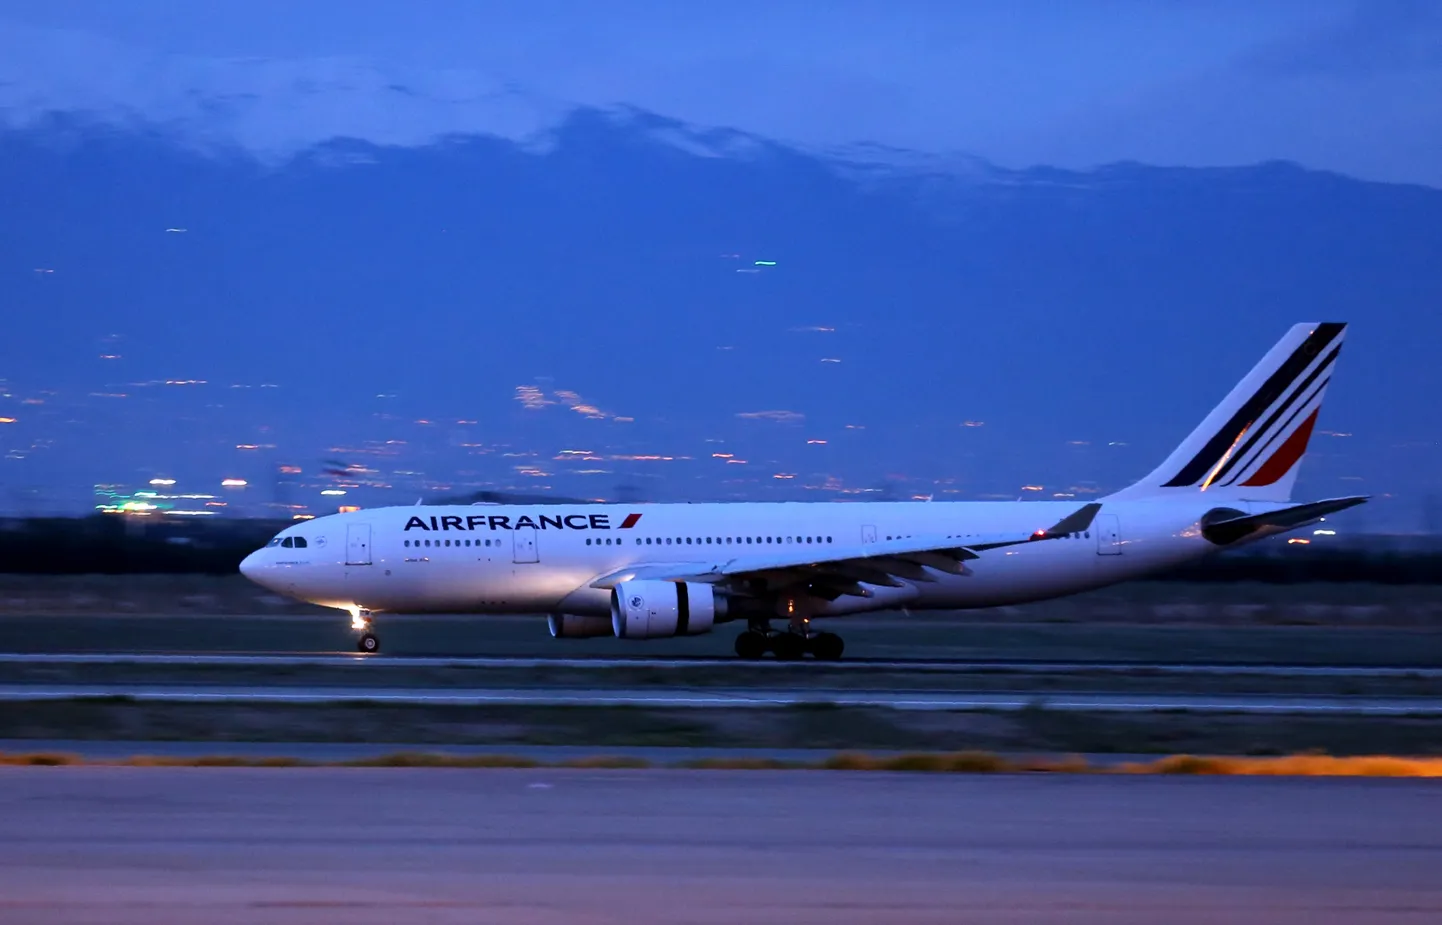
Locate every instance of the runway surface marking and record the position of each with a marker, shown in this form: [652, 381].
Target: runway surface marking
[217, 660]
[729, 698]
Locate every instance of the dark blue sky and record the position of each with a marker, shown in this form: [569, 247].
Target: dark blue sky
[1347, 85]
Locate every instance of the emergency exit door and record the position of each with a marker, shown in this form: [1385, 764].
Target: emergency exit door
[1109, 535]
[525, 540]
[358, 544]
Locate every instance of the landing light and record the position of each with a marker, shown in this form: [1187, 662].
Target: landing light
[1324, 532]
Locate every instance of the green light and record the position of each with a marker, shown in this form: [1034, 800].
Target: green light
[765, 263]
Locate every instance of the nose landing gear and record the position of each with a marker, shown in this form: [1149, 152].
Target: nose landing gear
[368, 643]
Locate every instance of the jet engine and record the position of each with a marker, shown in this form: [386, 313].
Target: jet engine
[578, 626]
[658, 609]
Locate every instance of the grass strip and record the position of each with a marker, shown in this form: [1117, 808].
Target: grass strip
[969, 762]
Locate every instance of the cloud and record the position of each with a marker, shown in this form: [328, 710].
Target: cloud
[780, 417]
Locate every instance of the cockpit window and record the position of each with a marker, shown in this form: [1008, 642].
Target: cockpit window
[274, 542]
[300, 542]
[288, 542]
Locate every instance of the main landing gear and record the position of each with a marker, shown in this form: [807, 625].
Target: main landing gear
[788, 645]
[368, 643]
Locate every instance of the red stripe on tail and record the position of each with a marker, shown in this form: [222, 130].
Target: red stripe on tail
[1286, 456]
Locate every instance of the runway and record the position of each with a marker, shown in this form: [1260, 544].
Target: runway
[732, 698]
[991, 666]
[295, 847]
[893, 639]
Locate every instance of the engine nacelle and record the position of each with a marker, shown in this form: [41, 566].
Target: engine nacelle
[578, 626]
[658, 609]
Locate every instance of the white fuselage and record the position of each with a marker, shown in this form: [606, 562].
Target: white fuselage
[544, 558]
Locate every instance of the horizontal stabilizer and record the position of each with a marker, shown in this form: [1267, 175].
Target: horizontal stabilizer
[1225, 532]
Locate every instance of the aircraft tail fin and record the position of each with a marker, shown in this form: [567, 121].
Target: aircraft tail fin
[1251, 445]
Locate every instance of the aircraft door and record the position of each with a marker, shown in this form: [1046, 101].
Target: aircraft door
[868, 534]
[358, 544]
[1109, 535]
[525, 544]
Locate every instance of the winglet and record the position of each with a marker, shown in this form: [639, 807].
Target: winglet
[1075, 522]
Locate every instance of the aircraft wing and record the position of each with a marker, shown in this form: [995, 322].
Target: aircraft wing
[1223, 532]
[840, 569]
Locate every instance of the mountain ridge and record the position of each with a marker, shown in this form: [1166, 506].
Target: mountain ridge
[695, 287]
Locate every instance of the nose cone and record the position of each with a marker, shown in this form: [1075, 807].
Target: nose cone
[252, 568]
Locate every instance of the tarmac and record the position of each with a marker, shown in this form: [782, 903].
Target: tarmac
[930, 666]
[731, 698]
[126, 846]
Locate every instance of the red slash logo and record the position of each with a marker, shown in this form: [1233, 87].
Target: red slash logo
[629, 522]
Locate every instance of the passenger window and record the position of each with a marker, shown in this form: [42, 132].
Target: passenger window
[588, 541]
[428, 542]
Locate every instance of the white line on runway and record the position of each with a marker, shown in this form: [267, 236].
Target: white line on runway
[217, 660]
[899, 700]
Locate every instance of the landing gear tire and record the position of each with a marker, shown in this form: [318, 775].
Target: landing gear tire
[368, 643]
[826, 647]
[789, 647]
[751, 645]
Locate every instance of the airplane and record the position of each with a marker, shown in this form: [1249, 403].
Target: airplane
[651, 570]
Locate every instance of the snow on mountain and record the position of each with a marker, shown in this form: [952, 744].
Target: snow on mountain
[274, 109]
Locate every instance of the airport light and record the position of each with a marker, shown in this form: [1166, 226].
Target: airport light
[162, 483]
[233, 483]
